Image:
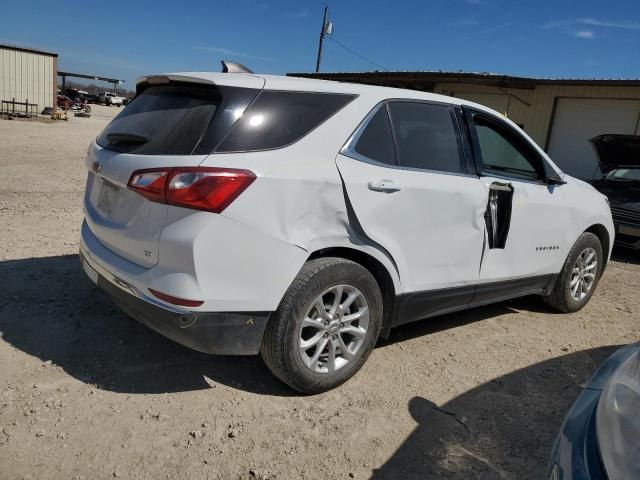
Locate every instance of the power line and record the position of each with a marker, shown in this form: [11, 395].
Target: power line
[353, 52]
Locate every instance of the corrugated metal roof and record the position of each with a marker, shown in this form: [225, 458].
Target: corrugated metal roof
[485, 78]
[21, 48]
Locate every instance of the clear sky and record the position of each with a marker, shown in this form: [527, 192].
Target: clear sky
[128, 39]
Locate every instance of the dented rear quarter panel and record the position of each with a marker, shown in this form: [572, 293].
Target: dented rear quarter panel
[298, 196]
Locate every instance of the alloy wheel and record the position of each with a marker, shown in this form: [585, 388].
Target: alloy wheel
[334, 329]
[583, 274]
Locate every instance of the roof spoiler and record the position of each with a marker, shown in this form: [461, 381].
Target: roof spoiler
[143, 83]
[234, 67]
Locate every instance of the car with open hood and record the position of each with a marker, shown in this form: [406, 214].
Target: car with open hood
[619, 160]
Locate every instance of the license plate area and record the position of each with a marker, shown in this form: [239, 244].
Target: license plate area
[108, 197]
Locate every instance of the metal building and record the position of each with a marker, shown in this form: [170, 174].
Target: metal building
[29, 76]
[561, 115]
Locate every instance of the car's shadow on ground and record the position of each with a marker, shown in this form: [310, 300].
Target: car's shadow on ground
[497, 430]
[49, 309]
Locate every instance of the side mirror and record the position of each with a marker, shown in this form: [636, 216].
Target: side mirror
[555, 180]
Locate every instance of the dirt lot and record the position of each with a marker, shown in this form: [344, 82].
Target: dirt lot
[86, 392]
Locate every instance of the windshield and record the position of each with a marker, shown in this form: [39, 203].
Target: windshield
[624, 174]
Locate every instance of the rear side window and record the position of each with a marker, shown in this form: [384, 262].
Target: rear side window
[277, 119]
[376, 140]
[176, 119]
[426, 136]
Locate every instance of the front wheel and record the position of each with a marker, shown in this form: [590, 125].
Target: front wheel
[325, 326]
[579, 276]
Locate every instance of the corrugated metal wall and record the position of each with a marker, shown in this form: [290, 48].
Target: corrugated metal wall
[537, 117]
[27, 76]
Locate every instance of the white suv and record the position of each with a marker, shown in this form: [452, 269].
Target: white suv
[302, 219]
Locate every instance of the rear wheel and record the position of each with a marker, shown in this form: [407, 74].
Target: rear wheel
[579, 276]
[325, 327]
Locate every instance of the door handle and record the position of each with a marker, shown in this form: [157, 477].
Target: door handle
[383, 186]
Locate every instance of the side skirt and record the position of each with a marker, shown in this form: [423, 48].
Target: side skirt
[420, 305]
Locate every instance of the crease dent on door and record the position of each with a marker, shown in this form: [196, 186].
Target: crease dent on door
[356, 230]
[498, 214]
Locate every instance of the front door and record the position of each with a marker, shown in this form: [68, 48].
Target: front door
[526, 217]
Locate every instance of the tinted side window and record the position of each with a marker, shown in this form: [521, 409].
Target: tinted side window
[277, 119]
[376, 141]
[426, 137]
[503, 153]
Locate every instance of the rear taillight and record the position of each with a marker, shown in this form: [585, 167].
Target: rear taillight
[202, 188]
[149, 183]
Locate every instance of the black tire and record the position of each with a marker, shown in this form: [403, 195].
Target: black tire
[560, 297]
[280, 344]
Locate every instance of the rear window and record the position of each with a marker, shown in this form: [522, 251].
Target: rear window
[277, 119]
[176, 120]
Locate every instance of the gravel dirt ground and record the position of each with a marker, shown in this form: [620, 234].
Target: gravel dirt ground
[85, 392]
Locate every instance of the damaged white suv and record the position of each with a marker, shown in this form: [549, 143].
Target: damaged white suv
[302, 219]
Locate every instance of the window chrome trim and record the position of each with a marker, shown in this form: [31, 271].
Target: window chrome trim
[499, 176]
[349, 150]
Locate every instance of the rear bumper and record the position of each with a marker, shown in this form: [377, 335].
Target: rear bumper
[222, 333]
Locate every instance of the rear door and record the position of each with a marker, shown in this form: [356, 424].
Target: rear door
[168, 124]
[526, 217]
[408, 184]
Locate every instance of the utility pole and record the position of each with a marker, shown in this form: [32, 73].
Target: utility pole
[323, 31]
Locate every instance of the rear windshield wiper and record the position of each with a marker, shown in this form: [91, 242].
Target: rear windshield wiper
[116, 138]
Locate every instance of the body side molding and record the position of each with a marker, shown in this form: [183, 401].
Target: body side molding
[420, 305]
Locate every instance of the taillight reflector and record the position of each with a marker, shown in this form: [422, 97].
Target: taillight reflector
[175, 300]
[201, 188]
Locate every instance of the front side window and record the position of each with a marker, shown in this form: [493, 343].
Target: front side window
[426, 136]
[503, 153]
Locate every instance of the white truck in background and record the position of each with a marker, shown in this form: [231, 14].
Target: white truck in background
[109, 98]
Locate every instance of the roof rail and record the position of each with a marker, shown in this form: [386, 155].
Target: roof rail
[233, 67]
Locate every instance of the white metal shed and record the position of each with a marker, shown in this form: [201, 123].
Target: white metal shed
[28, 75]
